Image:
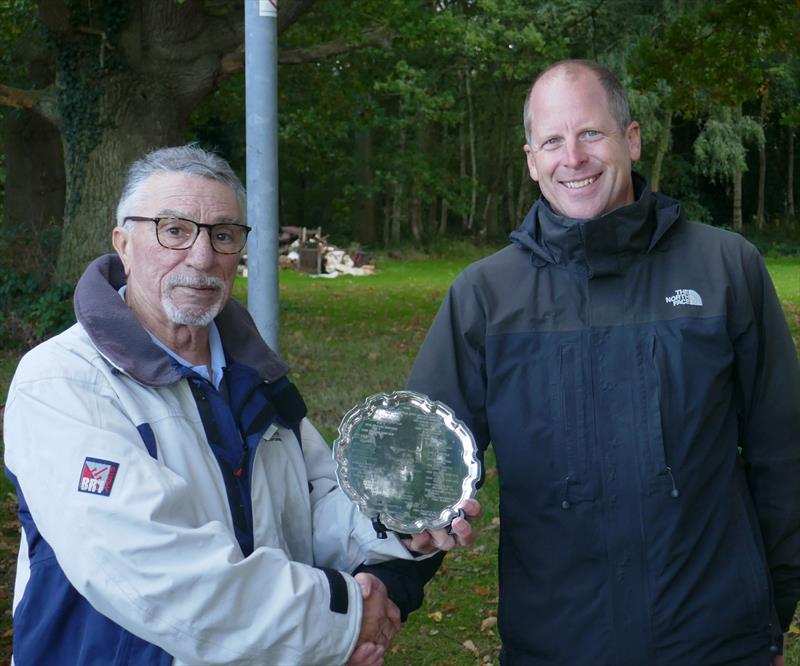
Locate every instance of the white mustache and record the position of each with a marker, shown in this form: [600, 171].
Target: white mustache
[198, 282]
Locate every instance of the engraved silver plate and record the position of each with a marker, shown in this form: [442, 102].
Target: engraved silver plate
[406, 461]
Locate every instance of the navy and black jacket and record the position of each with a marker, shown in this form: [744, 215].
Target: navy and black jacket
[639, 386]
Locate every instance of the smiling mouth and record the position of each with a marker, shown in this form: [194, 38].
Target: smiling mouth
[578, 184]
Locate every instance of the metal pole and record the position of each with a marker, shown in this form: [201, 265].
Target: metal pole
[261, 108]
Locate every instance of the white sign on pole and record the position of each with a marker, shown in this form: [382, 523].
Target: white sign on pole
[268, 8]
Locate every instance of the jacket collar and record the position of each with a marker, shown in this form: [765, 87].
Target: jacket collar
[121, 339]
[604, 245]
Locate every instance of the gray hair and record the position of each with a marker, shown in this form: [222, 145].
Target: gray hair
[615, 94]
[191, 159]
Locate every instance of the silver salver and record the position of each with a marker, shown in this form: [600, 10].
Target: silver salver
[406, 461]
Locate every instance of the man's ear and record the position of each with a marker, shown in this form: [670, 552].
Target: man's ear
[121, 240]
[531, 162]
[634, 136]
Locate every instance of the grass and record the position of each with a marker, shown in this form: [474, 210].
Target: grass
[350, 337]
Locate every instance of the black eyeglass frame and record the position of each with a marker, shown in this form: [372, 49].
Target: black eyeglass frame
[198, 225]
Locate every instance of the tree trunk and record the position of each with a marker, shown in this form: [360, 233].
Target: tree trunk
[791, 217]
[510, 209]
[364, 205]
[444, 208]
[34, 202]
[397, 212]
[135, 122]
[415, 213]
[661, 151]
[737, 201]
[462, 170]
[472, 156]
[126, 83]
[521, 192]
[762, 165]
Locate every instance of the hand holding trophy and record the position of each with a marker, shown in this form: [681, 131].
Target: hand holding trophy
[406, 461]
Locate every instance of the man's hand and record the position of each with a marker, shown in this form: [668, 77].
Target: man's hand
[460, 532]
[380, 621]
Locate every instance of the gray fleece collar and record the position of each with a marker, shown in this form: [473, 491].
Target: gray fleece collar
[121, 339]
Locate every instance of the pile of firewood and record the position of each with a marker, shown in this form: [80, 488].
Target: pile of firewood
[308, 251]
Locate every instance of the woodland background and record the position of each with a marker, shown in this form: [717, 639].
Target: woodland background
[400, 134]
[400, 120]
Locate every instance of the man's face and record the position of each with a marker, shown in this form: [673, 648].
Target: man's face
[184, 287]
[579, 157]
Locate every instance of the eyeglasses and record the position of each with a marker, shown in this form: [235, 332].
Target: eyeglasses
[177, 233]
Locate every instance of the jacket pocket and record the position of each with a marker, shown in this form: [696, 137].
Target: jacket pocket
[754, 573]
[579, 477]
[657, 470]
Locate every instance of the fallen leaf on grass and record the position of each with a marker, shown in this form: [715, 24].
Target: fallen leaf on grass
[436, 616]
[449, 608]
[488, 623]
[480, 589]
[470, 647]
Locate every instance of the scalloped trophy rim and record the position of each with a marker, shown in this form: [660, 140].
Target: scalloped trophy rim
[424, 404]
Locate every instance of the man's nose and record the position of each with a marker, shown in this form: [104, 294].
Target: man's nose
[201, 254]
[574, 153]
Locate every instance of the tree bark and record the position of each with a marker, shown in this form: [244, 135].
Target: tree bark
[112, 115]
[363, 219]
[762, 165]
[33, 213]
[462, 170]
[397, 212]
[737, 201]
[661, 151]
[791, 217]
[510, 199]
[444, 207]
[415, 213]
[472, 157]
[521, 192]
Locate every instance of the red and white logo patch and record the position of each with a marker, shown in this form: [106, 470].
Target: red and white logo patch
[97, 476]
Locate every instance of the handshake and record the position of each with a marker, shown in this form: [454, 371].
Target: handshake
[380, 620]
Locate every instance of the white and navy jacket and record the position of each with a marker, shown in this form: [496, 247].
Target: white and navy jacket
[166, 522]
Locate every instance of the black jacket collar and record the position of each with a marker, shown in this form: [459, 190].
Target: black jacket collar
[603, 245]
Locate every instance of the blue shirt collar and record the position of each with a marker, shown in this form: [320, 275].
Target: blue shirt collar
[214, 343]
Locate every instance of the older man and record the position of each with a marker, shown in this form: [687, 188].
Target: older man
[637, 381]
[177, 506]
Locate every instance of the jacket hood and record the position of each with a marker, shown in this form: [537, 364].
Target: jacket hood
[603, 245]
[121, 339]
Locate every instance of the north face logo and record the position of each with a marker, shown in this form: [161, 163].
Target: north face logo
[685, 297]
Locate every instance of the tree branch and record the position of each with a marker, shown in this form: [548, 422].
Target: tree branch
[290, 11]
[18, 98]
[373, 39]
[41, 101]
[233, 63]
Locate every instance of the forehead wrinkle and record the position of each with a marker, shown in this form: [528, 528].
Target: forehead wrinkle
[169, 212]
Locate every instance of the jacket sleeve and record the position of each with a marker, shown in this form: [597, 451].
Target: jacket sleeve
[768, 386]
[450, 366]
[345, 539]
[146, 556]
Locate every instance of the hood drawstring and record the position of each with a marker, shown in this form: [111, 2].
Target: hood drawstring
[565, 501]
[675, 493]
